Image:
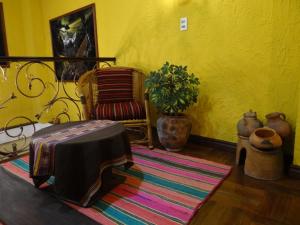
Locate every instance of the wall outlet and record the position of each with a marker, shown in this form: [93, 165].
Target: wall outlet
[183, 23]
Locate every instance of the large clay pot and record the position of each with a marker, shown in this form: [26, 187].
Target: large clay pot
[173, 131]
[276, 121]
[248, 124]
[265, 138]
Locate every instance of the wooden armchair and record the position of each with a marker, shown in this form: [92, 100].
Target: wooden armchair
[117, 93]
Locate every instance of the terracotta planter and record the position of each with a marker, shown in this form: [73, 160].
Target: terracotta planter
[265, 138]
[248, 124]
[276, 121]
[173, 131]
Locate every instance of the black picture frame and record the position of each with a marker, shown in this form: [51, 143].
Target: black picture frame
[74, 35]
[3, 41]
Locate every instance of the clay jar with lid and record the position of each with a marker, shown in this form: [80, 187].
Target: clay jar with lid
[248, 124]
[276, 121]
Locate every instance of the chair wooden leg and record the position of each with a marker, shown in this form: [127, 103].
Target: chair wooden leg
[148, 122]
[149, 134]
[85, 113]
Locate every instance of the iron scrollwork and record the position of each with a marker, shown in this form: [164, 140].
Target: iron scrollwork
[35, 81]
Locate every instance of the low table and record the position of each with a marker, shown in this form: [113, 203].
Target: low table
[77, 154]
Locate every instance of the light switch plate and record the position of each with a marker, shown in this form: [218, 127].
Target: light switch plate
[183, 23]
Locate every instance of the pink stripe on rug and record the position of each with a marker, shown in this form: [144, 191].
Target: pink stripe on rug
[145, 214]
[17, 171]
[182, 161]
[20, 172]
[26, 158]
[151, 202]
[193, 159]
[160, 191]
[93, 214]
[175, 178]
[173, 170]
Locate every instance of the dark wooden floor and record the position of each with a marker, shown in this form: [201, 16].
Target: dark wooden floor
[245, 200]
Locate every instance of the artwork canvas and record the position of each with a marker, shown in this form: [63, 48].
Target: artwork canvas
[74, 35]
[3, 44]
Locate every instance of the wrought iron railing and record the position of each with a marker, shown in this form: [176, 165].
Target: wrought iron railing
[31, 94]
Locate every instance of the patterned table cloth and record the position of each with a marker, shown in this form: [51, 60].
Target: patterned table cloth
[76, 154]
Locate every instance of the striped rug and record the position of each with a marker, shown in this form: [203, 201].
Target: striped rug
[161, 188]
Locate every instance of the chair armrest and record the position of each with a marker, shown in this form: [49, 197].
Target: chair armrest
[86, 93]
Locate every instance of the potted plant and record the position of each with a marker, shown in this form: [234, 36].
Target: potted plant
[172, 90]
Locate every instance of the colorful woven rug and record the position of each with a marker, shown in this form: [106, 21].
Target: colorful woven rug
[161, 188]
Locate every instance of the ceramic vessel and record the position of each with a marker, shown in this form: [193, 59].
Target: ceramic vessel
[265, 138]
[276, 121]
[264, 165]
[248, 124]
[173, 131]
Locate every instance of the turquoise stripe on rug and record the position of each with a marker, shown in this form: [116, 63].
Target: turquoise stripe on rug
[51, 180]
[180, 165]
[21, 164]
[25, 166]
[169, 184]
[118, 215]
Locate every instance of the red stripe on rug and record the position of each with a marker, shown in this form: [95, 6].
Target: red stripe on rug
[160, 191]
[184, 162]
[26, 158]
[143, 213]
[193, 159]
[175, 178]
[93, 214]
[182, 172]
[17, 171]
[154, 203]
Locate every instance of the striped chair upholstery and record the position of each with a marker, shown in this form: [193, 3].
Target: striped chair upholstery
[115, 97]
[114, 85]
[120, 111]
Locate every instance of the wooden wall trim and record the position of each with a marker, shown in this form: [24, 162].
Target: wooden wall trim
[219, 144]
[294, 171]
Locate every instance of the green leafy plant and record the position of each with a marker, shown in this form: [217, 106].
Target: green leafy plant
[172, 89]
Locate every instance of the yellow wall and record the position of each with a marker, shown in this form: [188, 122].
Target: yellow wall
[25, 37]
[20, 43]
[246, 53]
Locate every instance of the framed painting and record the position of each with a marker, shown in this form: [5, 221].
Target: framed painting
[3, 43]
[74, 35]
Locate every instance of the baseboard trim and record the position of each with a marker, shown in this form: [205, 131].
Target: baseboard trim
[294, 171]
[211, 142]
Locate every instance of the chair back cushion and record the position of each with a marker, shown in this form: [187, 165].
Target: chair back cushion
[114, 84]
[120, 111]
